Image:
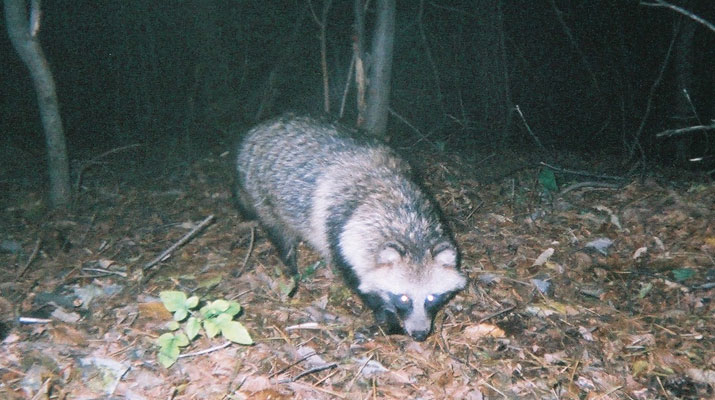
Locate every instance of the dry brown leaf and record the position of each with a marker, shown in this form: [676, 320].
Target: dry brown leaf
[154, 311]
[543, 257]
[65, 334]
[475, 332]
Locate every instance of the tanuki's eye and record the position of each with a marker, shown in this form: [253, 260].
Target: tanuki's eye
[401, 302]
[430, 298]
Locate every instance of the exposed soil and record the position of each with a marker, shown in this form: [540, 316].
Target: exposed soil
[598, 293]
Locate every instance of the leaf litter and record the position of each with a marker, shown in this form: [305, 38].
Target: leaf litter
[598, 293]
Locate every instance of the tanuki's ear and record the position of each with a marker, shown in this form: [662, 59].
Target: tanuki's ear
[390, 253]
[445, 254]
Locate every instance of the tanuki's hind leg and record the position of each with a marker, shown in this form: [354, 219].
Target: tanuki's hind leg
[286, 245]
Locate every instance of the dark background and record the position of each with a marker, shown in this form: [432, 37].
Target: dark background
[185, 77]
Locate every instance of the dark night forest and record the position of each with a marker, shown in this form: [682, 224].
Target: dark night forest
[569, 144]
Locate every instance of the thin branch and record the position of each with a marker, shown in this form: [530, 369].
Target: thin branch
[581, 173]
[497, 313]
[296, 362]
[105, 272]
[574, 43]
[32, 256]
[661, 3]
[95, 161]
[681, 131]
[165, 254]
[651, 95]
[348, 82]
[308, 372]
[206, 351]
[430, 59]
[589, 184]
[35, 17]
[528, 128]
[248, 253]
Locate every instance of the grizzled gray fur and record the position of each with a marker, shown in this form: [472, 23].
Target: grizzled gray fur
[352, 200]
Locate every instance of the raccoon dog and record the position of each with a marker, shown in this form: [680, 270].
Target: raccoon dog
[352, 200]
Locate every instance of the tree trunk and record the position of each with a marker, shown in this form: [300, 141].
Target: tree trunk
[359, 55]
[22, 34]
[378, 94]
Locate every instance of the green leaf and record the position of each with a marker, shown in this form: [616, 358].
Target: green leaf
[211, 328]
[173, 300]
[310, 271]
[173, 325]
[547, 179]
[180, 314]
[192, 327]
[168, 354]
[681, 274]
[233, 308]
[222, 319]
[165, 339]
[192, 302]
[220, 305]
[208, 283]
[645, 290]
[235, 332]
[181, 340]
[214, 308]
[288, 288]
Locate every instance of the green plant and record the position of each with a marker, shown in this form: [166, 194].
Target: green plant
[215, 317]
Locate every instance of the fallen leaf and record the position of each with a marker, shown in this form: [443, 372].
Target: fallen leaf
[65, 334]
[543, 257]
[154, 311]
[476, 332]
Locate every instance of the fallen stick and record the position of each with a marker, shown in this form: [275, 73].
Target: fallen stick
[166, 253]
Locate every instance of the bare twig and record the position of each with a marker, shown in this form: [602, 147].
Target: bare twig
[574, 43]
[495, 314]
[296, 362]
[352, 382]
[35, 17]
[348, 81]
[206, 351]
[248, 253]
[309, 371]
[31, 320]
[589, 184]
[430, 59]
[165, 254]
[44, 390]
[528, 128]
[95, 160]
[661, 3]
[581, 173]
[651, 95]
[105, 271]
[32, 256]
[409, 125]
[682, 131]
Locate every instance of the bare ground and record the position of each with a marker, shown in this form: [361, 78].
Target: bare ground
[598, 293]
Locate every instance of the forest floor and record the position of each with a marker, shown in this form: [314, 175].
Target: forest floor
[589, 292]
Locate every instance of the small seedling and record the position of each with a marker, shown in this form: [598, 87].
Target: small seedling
[215, 317]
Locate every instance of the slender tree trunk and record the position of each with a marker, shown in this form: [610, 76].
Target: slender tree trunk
[23, 33]
[322, 23]
[378, 94]
[359, 55]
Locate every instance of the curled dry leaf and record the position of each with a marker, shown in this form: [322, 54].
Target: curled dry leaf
[476, 332]
[543, 257]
